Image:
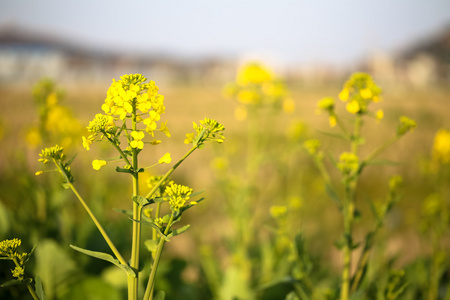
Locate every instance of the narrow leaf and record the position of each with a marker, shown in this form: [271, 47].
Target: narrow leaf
[124, 211]
[107, 257]
[178, 231]
[13, 282]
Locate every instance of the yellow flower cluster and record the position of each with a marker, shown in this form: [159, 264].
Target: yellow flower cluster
[55, 152]
[8, 248]
[178, 194]
[129, 98]
[131, 95]
[348, 163]
[441, 147]
[56, 122]
[359, 90]
[207, 130]
[257, 86]
[406, 124]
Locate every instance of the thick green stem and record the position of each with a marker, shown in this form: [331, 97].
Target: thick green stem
[136, 234]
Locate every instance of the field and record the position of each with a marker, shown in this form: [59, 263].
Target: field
[270, 227]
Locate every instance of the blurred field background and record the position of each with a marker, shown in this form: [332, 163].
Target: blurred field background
[415, 80]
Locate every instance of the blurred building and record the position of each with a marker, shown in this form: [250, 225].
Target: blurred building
[425, 62]
[28, 56]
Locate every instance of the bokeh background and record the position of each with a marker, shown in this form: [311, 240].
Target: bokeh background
[192, 50]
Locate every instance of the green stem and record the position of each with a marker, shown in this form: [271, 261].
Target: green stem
[151, 280]
[96, 222]
[168, 173]
[29, 286]
[136, 234]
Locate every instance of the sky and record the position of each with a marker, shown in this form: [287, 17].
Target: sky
[287, 32]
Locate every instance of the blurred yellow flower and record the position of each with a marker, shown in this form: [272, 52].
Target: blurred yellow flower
[353, 107]
[332, 120]
[344, 94]
[278, 211]
[288, 105]
[441, 146]
[253, 74]
[379, 115]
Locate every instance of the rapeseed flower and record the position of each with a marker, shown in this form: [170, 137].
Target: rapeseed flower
[97, 164]
[359, 90]
[8, 248]
[207, 130]
[165, 159]
[348, 163]
[178, 195]
[137, 139]
[441, 147]
[256, 87]
[406, 124]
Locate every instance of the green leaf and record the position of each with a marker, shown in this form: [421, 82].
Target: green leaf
[39, 288]
[141, 200]
[178, 231]
[107, 257]
[13, 282]
[124, 211]
[161, 295]
[332, 194]
[155, 227]
[151, 245]
[71, 160]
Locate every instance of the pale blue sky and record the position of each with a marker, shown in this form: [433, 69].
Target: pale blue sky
[286, 31]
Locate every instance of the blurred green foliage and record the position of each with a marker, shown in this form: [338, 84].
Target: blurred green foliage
[248, 246]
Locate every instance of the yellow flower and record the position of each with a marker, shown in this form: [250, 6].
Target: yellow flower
[348, 162]
[98, 164]
[326, 104]
[52, 99]
[164, 129]
[278, 211]
[441, 146]
[178, 194]
[137, 139]
[253, 74]
[366, 93]
[38, 173]
[189, 138]
[288, 105]
[353, 107]
[87, 142]
[333, 121]
[166, 159]
[379, 115]
[344, 94]
[406, 124]
[248, 96]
